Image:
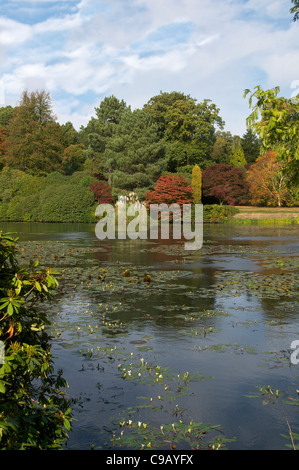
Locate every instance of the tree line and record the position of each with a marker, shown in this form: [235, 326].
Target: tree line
[124, 151]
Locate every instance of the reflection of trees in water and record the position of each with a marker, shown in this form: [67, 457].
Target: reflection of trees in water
[282, 310]
[171, 296]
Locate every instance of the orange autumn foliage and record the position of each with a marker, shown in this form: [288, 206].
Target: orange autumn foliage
[267, 182]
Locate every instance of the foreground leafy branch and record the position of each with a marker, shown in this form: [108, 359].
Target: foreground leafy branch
[275, 120]
[295, 10]
[34, 412]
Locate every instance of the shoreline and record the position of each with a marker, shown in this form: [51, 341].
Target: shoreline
[274, 213]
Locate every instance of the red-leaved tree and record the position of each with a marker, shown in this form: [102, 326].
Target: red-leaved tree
[225, 184]
[102, 192]
[170, 189]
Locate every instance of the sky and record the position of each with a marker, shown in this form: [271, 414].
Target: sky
[81, 51]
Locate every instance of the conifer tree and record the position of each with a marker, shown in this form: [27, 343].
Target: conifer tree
[251, 144]
[237, 157]
[196, 184]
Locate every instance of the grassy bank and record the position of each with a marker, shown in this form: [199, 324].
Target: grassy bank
[284, 221]
[248, 215]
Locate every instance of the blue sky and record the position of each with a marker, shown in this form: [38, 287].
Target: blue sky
[83, 50]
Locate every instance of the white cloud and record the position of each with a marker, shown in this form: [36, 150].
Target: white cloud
[136, 48]
[12, 32]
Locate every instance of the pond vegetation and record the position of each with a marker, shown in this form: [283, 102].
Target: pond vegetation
[166, 349]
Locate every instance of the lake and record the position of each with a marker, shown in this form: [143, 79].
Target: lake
[165, 348]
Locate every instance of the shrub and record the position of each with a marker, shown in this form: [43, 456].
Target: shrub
[66, 203]
[215, 213]
[102, 192]
[225, 184]
[170, 189]
[55, 198]
[34, 412]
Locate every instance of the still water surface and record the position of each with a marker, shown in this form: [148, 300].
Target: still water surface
[225, 315]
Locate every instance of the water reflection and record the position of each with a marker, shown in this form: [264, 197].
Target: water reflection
[229, 311]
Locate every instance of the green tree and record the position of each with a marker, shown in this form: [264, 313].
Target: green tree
[98, 133]
[237, 157]
[3, 147]
[187, 127]
[69, 135]
[111, 110]
[251, 146]
[135, 153]
[73, 159]
[159, 105]
[275, 119]
[6, 113]
[34, 138]
[196, 184]
[223, 147]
